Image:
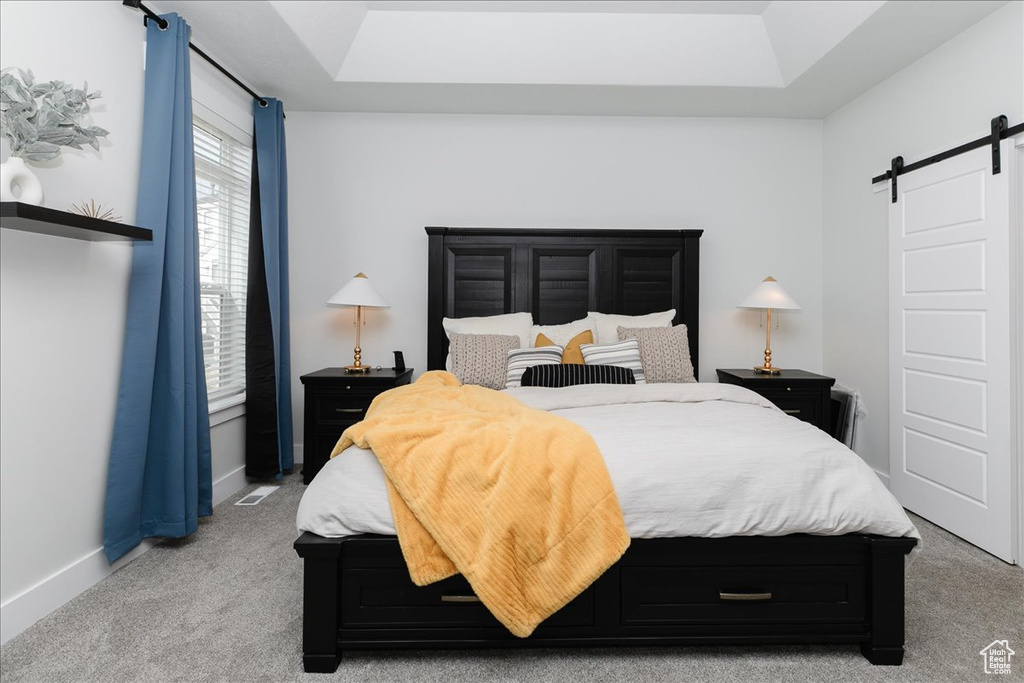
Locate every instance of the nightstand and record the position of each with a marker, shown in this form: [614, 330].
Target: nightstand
[336, 400]
[802, 394]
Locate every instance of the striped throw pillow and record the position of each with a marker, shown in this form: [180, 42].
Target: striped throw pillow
[520, 359]
[625, 354]
[571, 374]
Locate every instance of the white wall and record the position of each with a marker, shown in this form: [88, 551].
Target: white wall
[946, 98]
[363, 186]
[62, 312]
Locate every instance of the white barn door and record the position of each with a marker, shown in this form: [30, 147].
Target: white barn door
[949, 348]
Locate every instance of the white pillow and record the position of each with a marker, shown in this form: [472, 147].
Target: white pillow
[560, 334]
[625, 354]
[606, 326]
[520, 359]
[517, 324]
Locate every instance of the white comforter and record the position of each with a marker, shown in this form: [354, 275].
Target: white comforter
[686, 460]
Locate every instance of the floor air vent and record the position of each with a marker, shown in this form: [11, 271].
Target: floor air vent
[256, 496]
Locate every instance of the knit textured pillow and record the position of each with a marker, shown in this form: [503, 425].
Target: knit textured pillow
[664, 352]
[520, 359]
[625, 354]
[481, 358]
[571, 374]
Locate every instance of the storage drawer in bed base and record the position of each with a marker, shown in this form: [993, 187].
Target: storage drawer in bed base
[791, 589]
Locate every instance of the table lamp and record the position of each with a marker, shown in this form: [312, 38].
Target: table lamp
[768, 295]
[360, 293]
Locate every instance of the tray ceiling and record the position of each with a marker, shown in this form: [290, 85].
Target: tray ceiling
[799, 58]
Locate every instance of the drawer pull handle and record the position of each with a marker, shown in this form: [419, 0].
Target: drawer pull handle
[459, 598]
[791, 411]
[348, 410]
[744, 596]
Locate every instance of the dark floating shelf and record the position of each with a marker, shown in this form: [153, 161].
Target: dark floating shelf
[45, 221]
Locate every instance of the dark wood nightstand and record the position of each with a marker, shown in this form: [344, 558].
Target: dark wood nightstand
[802, 394]
[336, 400]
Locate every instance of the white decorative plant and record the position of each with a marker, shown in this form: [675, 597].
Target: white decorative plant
[39, 118]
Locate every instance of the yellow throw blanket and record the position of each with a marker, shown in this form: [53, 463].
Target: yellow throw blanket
[515, 499]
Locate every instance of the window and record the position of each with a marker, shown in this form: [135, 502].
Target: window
[223, 176]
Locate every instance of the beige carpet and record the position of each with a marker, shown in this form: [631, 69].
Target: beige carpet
[225, 605]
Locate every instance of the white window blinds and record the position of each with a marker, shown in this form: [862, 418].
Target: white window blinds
[223, 175]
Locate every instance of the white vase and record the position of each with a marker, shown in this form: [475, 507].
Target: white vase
[14, 173]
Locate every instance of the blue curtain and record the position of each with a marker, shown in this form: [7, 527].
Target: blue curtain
[159, 480]
[268, 398]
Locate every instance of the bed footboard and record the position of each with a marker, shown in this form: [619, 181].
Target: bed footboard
[886, 598]
[674, 591]
[320, 583]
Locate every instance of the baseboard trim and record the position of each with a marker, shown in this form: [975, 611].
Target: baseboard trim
[53, 592]
[228, 485]
[34, 603]
[297, 454]
[883, 476]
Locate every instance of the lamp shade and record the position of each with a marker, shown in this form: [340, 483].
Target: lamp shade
[358, 292]
[769, 294]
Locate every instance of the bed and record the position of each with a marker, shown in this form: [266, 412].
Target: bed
[732, 589]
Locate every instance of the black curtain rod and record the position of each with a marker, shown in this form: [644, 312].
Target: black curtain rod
[162, 23]
[1004, 132]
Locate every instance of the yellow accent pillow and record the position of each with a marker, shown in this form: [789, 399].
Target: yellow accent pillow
[572, 353]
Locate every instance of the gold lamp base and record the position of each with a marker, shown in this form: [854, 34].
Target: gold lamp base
[357, 360]
[767, 368]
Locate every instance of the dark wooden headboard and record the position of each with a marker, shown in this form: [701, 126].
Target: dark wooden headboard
[558, 275]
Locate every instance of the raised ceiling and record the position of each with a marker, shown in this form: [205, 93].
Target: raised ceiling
[579, 6]
[794, 58]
